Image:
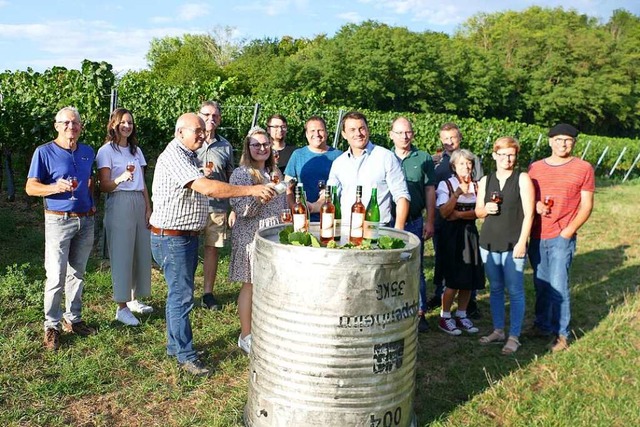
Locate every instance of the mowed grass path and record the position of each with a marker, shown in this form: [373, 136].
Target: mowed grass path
[121, 377]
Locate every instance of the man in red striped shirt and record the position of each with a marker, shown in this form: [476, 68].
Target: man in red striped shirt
[564, 187]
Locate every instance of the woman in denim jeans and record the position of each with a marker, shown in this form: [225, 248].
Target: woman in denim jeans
[506, 202]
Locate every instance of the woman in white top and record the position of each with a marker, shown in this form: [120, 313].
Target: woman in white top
[128, 208]
[461, 262]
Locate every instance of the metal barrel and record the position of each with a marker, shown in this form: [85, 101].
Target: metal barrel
[334, 334]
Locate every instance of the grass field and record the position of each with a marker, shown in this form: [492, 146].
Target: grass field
[121, 376]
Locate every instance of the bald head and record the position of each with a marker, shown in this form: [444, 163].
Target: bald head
[190, 130]
[401, 133]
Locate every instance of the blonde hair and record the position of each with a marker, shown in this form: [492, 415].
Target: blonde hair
[247, 160]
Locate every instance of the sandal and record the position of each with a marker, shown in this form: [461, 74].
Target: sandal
[511, 346]
[494, 337]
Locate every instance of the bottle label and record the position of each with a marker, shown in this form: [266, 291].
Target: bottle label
[336, 228]
[357, 222]
[326, 224]
[299, 222]
[371, 230]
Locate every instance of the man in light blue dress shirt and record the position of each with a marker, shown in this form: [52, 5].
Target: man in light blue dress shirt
[369, 165]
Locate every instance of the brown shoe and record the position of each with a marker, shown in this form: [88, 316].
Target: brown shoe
[559, 344]
[80, 328]
[52, 339]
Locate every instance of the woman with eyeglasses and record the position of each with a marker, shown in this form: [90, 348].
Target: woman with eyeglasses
[506, 202]
[461, 265]
[121, 166]
[256, 165]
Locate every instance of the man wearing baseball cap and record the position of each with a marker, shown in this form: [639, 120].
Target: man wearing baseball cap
[564, 187]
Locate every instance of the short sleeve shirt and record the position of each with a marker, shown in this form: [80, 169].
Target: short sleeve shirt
[564, 183]
[115, 158]
[175, 206]
[50, 162]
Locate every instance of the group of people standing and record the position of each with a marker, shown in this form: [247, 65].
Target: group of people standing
[198, 190]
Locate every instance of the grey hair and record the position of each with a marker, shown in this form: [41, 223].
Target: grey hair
[462, 152]
[214, 104]
[73, 110]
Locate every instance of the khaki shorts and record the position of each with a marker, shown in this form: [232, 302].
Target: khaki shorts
[215, 233]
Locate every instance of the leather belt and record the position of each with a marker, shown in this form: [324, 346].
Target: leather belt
[167, 232]
[70, 214]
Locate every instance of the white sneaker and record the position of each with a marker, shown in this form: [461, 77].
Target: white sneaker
[245, 343]
[125, 316]
[139, 307]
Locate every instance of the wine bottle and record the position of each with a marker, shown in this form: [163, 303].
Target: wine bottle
[338, 215]
[327, 219]
[372, 217]
[356, 230]
[300, 222]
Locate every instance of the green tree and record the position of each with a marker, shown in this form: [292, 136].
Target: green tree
[180, 60]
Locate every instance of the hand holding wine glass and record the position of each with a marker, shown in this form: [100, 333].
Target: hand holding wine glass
[496, 200]
[74, 184]
[464, 183]
[548, 204]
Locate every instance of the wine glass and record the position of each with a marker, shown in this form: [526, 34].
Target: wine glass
[496, 197]
[548, 203]
[285, 216]
[74, 184]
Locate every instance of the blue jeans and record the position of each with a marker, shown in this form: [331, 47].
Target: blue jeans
[67, 245]
[505, 271]
[551, 260]
[178, 258]
[416, 227]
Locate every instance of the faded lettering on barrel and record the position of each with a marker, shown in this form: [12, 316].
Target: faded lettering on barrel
[387, 357]
[388, 419]
[390, 290]
[363, 321]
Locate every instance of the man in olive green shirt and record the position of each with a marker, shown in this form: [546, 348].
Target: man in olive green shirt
[418, 170]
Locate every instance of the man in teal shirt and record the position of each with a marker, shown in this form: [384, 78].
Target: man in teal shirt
[418, 170]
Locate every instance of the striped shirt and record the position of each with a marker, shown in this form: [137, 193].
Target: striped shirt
[176, 207]
[564, 183]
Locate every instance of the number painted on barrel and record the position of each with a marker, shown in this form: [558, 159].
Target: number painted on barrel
[389, 419]
[390, 290]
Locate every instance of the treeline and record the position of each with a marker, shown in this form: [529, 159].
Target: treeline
[537, 66]
[502, 74]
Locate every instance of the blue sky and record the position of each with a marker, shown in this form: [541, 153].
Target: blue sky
[46, 33]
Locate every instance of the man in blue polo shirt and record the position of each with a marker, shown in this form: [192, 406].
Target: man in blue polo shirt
[60, 172]
[312, 163]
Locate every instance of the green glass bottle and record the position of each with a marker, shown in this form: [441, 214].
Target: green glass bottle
[337, 222]
[372, 217]
[303, 199]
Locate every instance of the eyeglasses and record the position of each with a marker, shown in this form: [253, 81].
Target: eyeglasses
[69, 123]
[207, 115]
[282, 127]
[406, 133]
[506, 156]
[564, 140]
[257, 146]
[197, 131]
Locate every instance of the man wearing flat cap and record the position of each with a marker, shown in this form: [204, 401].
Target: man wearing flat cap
[564, 187]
